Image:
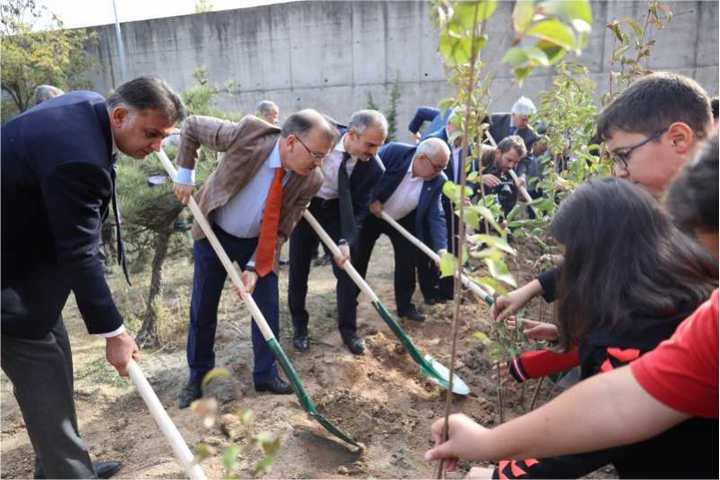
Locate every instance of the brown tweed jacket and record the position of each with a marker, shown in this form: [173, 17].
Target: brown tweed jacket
[246, 146]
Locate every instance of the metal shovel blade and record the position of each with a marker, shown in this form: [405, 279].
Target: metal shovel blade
[302, 394]
[441, 375]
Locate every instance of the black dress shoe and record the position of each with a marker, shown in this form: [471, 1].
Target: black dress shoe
[102, 469]
[190, 392]
[277, 386]
[412, 314]
[355, 344]
[301, 343]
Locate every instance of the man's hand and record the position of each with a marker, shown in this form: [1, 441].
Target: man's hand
[440, 253]
[417, 137]
[249, 280]
[376, 208]
[522, 182]
[344, 254]
[183, 192]
[490, 180]
[534, 330]
[466, 440]
[119, 350]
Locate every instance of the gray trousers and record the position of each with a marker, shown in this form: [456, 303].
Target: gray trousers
[41, 372]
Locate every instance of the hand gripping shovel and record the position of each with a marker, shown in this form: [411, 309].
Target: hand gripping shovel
[474, 287]
[167, 427]
[429, 367]
[257, 316]
[523, 191]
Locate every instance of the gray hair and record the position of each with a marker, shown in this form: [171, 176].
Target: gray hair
[148, 93]
[523, 106]
[362, 119]
[432, 148]
[300, 123]
[45, 92]
[266, 106]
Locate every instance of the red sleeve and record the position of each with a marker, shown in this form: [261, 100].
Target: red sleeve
[682, 372]
[541, 363]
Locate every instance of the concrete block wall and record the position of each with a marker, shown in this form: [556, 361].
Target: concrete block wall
[330, 55]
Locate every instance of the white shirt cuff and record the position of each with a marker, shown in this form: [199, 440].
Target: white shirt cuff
[185, 176]
[114, 333]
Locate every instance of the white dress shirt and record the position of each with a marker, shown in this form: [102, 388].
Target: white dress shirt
[330, 168]
[406, 196]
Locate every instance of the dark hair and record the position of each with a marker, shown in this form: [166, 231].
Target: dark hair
[692, 198]
[148, 93]
[714, 107]
[623, 258]
[653, 103]
[300, 123]
[513, 141]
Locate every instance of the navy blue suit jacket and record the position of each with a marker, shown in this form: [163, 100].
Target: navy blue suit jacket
[429, 216]
[500, 128]
[56, 187]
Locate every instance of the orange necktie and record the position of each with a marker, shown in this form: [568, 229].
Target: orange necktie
[265, 253]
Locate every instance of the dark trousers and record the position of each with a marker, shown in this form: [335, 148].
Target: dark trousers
[406, 256]
[208, 281]
[303, 245]
[41, 372]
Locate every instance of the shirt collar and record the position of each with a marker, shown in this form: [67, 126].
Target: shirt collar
[340, 146]
[273, 159]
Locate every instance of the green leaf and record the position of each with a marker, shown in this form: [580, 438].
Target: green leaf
[493, 253]
[465, 12]
[614, 27]
[553, 52]
[229, 457]
[537, 56]
[264, 465]
[635, 26]
[523, 14]
[499, 271]
[482, 337]
[202, 451]
[247, 417]
[555, 32]
[472, 217]
[495, 242]
[448, 265]
[515, 56]
[213, 374]
[569, 9]
[455, 49]
[488, 215]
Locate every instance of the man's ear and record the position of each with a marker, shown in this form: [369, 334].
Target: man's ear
[118, 116]
[682, 137]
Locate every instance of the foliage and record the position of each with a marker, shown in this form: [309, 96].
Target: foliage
[391, 112]
[30, 57]
[633, 46]
[203, 6]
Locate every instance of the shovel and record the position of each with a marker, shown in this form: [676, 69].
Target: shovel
[429, 367]
[472, 286]
[167, 427]
[257, 315]
[523, 191]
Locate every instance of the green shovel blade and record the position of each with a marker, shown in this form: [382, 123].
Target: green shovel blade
[429, 367]
[302, 394]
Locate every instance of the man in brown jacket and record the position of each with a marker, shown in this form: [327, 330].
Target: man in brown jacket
[253, 200]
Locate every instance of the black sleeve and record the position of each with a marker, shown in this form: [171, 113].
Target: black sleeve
[549, 280]
[73, 195]
[566, 466]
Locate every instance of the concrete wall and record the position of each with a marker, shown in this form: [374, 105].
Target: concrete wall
[331, 55]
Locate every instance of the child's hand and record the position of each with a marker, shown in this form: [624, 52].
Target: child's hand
[465, 440]
[534, 330]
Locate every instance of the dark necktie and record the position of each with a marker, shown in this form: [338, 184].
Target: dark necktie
[122, 260]
[347, 218]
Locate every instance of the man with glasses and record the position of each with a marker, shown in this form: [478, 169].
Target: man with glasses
[253, 200]
[350, 172]
[409, 191]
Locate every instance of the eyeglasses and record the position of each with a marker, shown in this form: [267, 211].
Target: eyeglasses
[622, 155]
[319, 156]
[436, 168]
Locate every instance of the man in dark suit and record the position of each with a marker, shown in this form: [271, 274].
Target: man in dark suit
[351, 171]
[253, 200]
[409, 191]
[437, 120]
[58, 180]
[517, 122]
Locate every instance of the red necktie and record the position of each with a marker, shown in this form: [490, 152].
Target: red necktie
[265, 253]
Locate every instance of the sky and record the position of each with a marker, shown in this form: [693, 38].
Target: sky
[85, 13]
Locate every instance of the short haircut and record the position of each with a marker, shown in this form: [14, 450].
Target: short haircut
[523, 106]
[300, 123]
[148, 93]
[513, 141]
[692, 198]
[45, 92]
[362, 119]
[714, 107]
[266, 106]
[432, 147]
[652, 103]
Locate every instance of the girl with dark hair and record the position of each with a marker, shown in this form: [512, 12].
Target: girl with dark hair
[629, 278]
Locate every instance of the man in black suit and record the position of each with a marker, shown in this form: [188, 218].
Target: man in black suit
[409, 191]
[351, 171]
[517, 122]
[58, 181]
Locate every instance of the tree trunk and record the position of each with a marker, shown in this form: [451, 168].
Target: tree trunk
[148, 337]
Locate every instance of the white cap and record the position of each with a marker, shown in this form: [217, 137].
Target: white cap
[523, 106]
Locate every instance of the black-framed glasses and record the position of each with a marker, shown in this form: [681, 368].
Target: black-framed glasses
[621, 156]
[436, 168]
[315, 155]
